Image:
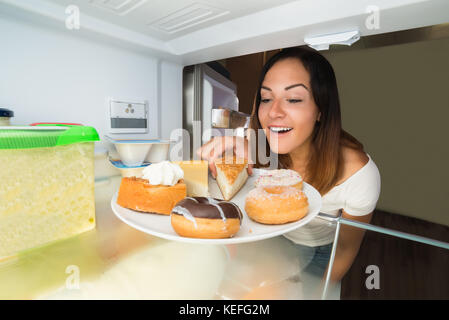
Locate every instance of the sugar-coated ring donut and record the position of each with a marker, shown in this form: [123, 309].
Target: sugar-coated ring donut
[276, 204]
[207, 218]
[279, 177]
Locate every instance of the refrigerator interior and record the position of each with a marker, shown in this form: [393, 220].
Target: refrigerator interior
[137, 50]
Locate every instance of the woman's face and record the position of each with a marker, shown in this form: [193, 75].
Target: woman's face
[287, 111]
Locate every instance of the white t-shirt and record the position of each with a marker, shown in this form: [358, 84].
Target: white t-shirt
[357, 196]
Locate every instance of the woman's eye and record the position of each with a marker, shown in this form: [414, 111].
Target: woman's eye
[265, 100]
[294, 100]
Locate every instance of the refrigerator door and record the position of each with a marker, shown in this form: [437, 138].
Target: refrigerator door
[223, 118]
[204, 90]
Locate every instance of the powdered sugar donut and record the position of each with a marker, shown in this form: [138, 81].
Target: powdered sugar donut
[279, 177]
[276, 204]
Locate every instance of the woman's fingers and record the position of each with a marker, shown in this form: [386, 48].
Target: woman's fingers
[211, 151]
[217, 146]
[213, 169]
[204, 151]
[241, 150]
[250, 169]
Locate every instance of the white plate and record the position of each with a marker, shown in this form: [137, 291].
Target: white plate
[160, 226]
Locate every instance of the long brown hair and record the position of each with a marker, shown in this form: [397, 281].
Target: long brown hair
[325, 167]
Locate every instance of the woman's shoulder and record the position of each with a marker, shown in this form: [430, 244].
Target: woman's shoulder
[353, 161]
[361, 187]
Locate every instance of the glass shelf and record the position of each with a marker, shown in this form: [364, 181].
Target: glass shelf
[391, 246]
[115, 261]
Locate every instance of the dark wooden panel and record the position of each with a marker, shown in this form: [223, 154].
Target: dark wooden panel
[408, 270]
[245, 72]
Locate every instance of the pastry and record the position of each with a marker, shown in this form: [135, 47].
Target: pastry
[208, 218]
[159, 189]
[279, 177]
[195, 177]
[231, 175]
[276, 204]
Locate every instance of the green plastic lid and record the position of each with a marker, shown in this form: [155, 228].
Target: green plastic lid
[45, 135]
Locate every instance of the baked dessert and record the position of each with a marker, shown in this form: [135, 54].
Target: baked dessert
[279, 177]
[276, 204]
[231, 175]
[207, 218]
[195, 177]
[158, 191]
[43, 198]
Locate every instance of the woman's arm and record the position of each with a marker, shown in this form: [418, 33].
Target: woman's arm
[349, 241]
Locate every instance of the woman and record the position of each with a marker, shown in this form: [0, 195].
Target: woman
[297, 106]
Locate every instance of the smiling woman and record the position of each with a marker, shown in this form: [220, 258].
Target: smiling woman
[297, 107]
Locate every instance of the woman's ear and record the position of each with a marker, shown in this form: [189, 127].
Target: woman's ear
[319, 117]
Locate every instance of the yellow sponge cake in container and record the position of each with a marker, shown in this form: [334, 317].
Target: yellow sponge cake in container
[46, 184]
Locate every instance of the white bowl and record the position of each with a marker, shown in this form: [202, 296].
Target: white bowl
[132, 172]
[133, 154]
[158, 152]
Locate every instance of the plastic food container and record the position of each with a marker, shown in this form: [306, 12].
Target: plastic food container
[5, 117]
[159, 151]
[134, 153]
[46, 184]
[126, 171]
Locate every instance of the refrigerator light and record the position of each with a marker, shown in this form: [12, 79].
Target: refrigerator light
[322, 42]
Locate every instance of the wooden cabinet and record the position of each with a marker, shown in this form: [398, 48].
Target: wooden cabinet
[245, 73]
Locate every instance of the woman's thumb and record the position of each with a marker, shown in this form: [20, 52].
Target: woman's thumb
[250, 169]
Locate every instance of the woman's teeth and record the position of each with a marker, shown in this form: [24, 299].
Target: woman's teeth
[280, 129]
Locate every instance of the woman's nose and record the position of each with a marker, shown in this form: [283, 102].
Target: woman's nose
[276, 110]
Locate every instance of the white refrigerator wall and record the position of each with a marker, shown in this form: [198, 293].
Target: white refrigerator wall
[51, 75]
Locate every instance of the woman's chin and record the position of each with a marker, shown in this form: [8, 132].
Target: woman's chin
[281, 152]
[281, 145]
[286, 145]
[280, 149]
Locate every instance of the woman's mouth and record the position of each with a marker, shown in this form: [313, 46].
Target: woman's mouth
[280, 130]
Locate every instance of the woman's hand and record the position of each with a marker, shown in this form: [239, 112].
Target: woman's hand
[217, 146]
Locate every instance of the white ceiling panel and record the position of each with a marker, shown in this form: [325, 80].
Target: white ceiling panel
[168, 19]
[187, 18]
[195, 31]
[120, 7]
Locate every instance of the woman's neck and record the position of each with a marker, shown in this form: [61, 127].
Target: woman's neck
[300, 158]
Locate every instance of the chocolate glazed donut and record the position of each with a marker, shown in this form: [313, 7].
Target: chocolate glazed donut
[207, 218]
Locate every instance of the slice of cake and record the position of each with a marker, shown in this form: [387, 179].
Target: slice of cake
[231, 176]
[158, 191]
[43, 198]
[137, 194]
[195, 177]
